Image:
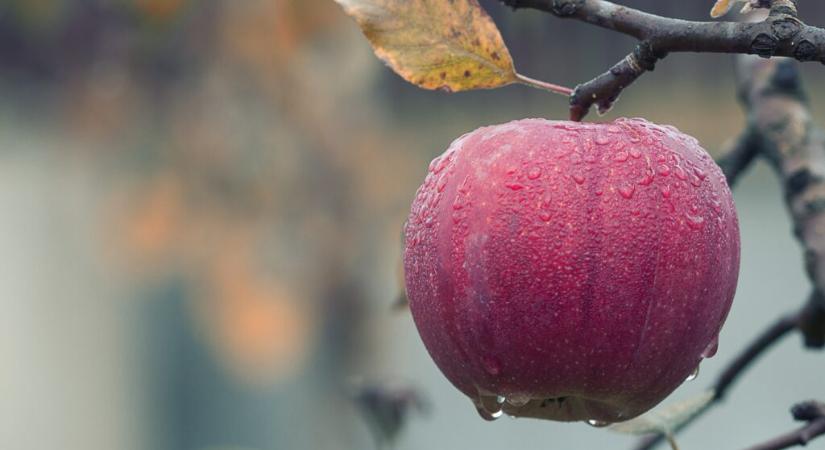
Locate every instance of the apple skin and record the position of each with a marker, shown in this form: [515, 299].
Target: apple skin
[581, 271]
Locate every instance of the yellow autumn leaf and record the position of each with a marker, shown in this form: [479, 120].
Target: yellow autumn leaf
[721, 7]
[436, 44]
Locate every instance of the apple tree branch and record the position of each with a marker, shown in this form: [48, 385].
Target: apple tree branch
[782, 33]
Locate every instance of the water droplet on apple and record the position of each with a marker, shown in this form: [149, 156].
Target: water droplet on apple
[578, 178]
[621, 156]
[545, 216]
[627, 191]
[712, 348]
[680, 173]
[514, 186]
[439, 163]
[464, 187]
[666, 191]
[695, 222]
[597, 423]
[693, 375]
[602, 139]
[434, 163]
[635, 153]
[489, 415]
[488, 405]
[534, 172]
[700, 173]
[566, 126]
[546, 200]
[518, 400]
[663, 170]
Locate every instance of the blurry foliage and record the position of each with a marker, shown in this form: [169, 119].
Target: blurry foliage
[386, 407]
[239, 181]
[230, 161]
[259, 329]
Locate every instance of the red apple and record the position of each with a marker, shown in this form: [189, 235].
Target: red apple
[571, 271]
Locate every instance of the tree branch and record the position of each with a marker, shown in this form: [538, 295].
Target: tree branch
[781, 34]
[780, 129]
[738, 157]
[812, 412]
[778, 116]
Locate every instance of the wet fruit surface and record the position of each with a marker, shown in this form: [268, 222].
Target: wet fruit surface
[571, 271]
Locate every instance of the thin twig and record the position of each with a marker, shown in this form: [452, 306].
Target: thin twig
[781, 34]
[765, 340]
[812, 412]
[734, 370]
[798, 437]
[738, 157]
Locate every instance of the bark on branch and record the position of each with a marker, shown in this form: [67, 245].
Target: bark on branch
[780, 34]
[784, 133]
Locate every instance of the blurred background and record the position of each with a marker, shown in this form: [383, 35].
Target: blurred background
[200, 211]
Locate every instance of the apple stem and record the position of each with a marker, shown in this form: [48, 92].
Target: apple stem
[672, 441]
[538, 84]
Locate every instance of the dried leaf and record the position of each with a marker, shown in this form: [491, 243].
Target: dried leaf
[721, 8]
[451, 45]
[387, 407]
[644, 424]
[667, 419]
